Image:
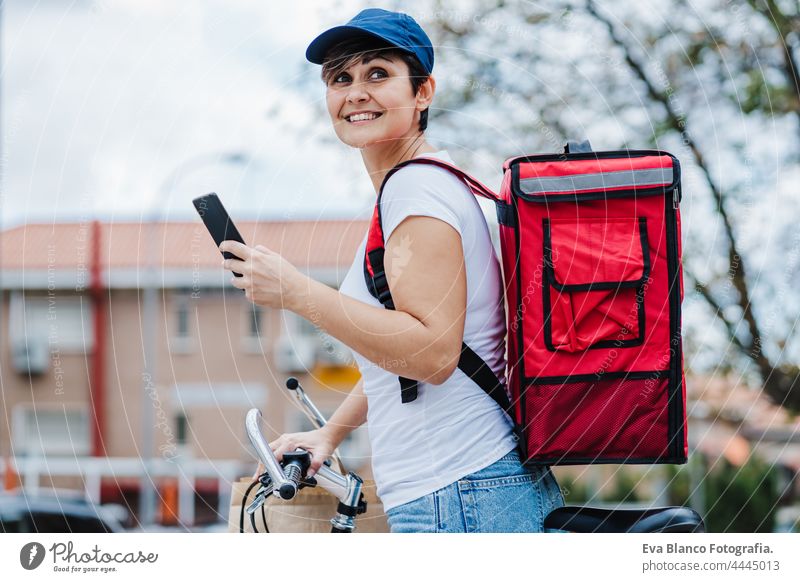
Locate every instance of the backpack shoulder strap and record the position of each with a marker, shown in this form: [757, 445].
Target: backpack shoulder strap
[475, 186]
[375, 275]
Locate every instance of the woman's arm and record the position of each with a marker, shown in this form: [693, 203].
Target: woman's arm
[351, 414]
[321, 443]
[421, 339]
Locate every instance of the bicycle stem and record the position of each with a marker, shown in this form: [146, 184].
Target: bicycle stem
[346, 488]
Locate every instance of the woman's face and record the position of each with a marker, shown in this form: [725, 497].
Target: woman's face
[381, 89]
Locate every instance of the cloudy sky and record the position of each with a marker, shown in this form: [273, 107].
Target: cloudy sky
[124, 108]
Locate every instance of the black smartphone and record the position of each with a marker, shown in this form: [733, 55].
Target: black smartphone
[218, 222]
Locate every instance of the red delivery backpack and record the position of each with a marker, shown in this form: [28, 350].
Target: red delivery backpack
[591, 257]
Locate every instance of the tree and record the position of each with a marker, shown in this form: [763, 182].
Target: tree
[714, 81]
[741, 499]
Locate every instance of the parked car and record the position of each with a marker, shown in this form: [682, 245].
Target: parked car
[53, 512]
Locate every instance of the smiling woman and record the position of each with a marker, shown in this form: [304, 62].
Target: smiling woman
[445, 460]
[384, 64]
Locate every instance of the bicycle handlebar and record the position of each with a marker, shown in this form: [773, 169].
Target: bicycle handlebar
[252, 424]
[286, 480]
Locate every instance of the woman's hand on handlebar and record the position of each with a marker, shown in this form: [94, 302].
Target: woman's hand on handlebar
[317, 442]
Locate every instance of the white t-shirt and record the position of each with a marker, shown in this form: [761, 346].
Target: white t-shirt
[453, 429]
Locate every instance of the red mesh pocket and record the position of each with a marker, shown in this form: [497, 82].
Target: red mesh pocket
[604, 420]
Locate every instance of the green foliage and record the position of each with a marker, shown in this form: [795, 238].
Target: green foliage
[741, 499]
[758, 94]
[624, 487]
[678, 484]
[575, 492]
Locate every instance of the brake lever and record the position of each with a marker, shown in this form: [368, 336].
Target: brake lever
[259, 499]
[266, 490]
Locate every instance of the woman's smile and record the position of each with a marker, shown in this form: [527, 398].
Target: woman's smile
[363, 118]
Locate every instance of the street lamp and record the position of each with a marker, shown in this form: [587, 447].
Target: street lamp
[147, 501]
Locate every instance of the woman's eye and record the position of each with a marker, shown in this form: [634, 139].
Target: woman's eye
[374, 74]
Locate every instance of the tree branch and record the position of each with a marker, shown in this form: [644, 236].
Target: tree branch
[784, 26]
[680, 124]
[717, 307]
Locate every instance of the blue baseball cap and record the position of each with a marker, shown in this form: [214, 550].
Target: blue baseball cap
[395, 28]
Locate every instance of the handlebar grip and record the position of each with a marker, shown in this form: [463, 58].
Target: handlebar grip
[293, 473]
[295, 464]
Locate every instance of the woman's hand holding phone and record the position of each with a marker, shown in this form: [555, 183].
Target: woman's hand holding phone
[267, 278]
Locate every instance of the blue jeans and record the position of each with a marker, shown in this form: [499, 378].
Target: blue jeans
[503, 497]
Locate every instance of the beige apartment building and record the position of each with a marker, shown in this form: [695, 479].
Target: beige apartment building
[81, 406]
[77, 329]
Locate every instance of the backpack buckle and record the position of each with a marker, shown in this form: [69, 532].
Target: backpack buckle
[381, 290]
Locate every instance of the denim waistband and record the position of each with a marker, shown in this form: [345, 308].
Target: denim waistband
[510, 456]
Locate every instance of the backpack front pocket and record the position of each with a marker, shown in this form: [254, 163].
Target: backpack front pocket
[595, 272]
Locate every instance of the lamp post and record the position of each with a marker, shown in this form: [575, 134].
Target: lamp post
[147, 501]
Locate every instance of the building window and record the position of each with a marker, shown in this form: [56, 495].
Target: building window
[307, 329]
[63, 322]
[328, 350]
[256, 317]
[254, 328]
[183, 320]
[181, 428]
[39, 431]
[181, 337]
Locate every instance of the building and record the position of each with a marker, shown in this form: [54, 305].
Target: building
[81, 405]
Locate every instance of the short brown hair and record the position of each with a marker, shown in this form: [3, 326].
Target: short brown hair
[365, 48]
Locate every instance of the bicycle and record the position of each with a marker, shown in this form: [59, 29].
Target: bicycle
[287, 477]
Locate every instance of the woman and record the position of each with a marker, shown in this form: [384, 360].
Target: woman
[448, 461]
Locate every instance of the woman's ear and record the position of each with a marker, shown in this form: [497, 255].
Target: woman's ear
[425, 93]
